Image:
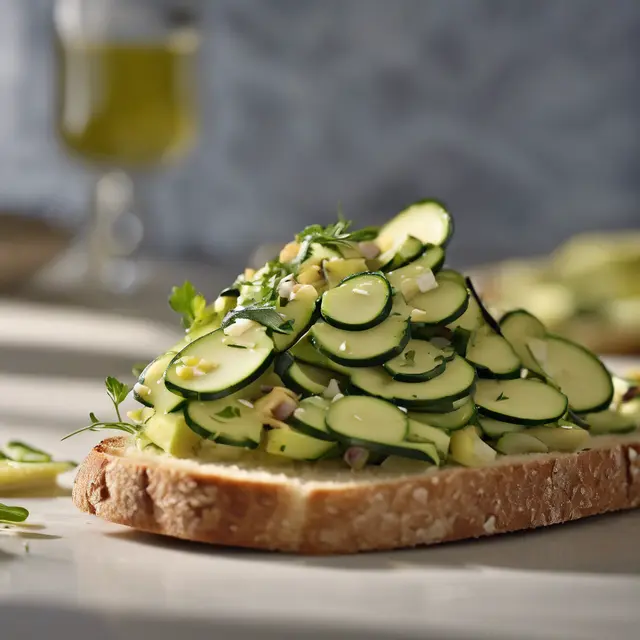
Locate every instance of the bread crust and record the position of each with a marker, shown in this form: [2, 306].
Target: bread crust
[332, 518]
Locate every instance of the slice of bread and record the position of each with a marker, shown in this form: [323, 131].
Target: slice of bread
[316, 509]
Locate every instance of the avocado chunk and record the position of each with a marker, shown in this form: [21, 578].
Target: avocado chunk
[170, 432]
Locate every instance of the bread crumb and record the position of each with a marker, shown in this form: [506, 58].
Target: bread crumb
[633, 454]
[490, 525]
[435, 480]
[233, 528]
[332, 511]
[420, 495]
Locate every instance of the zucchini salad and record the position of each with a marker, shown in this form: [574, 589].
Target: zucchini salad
[360, 346]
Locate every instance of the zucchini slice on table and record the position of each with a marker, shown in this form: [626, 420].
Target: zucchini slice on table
[151, 391]
[419, 361]
[304, 379]
[310, 418]
[426, 220]
[217, 365]
[492, 355]
[439, 393]
[359, 302]
[367, 348]
[226, 421]
[520, 401]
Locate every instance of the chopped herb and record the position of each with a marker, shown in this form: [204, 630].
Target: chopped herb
[266, 316]
[13, 514]
[191, 305]
[118, 392]
[229, 413]
[409, 358]
[237, 346]
[501, 397]
[283, 447]
[27, 548]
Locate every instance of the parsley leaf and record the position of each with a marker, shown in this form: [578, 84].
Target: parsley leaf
[191, 305]
[13, 514]
[501, 397]
[118, 392]
[266, 316]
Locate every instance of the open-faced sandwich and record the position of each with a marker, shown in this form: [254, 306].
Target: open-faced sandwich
[355, 395]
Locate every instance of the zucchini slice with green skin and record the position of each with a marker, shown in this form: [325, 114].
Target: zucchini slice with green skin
[456, 382]
[151, 391]
[358, 420]
[520, 401]
[233, 367]
[468, 449]
[304, 379]
[426, 220]
[609, 421]
[296, 446]
[442, 305]
[302, 311]
[310, 418]
[361, 301]
[431, 259]
[367, 348]
[470, 320]
[420, 432]
[495, 429]
[451, 421]
[452, 274]
[492, 355]
[487, 317]
[226, 421]
[579, 373]
[422, 451]
[519, 327]
[419, 361]
[398, 256]
[563, 437]
[304, 351]
[514, 444]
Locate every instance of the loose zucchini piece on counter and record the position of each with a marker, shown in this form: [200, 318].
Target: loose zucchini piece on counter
[231, 422]
[359, 302]
[452, 420]
[366, 348]
[218, 364]
[419, 361]
[520, 401]
[310, 418]
[492, 355]
[297, 446]
[151, 391]
[468, 449]
[22, 476]
[304, 379]
[427, 220]
[520, 443]
[438, 393]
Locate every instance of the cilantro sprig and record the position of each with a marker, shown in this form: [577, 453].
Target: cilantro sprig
[191, 305]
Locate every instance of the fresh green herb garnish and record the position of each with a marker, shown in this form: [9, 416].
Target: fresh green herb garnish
[228, 413]
[13, 514]
[409, 358]
[191, 305]
[501, 397]
[266, 316]
[117, 392]
[22, 452]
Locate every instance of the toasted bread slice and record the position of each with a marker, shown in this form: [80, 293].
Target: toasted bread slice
[315, 509]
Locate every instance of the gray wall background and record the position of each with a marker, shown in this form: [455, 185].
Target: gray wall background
[523, 115]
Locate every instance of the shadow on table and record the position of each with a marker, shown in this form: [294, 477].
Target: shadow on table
[602, 544]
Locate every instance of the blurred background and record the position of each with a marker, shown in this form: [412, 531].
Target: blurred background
[237, 122]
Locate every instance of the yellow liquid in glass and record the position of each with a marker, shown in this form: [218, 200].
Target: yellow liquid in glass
[127, 104]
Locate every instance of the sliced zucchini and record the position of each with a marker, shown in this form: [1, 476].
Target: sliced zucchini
[420, 432]
[304, 351]
[227, 368]
[470, 320]
[419, 361]
[361, 301]
[297, 446]
[513, 444]
[452, 274]
[366, 348]
[310, 417]
[431, 260]
[446, 406]
[427, 220]
[397, 256]
[492, 355]
[227, 421]
[170, 432]
[456, 382]
[24, 476]
[358, 420]
[519, 327]
[487, 317]
[468, 449]
[450, 421]
[495, 429]
[151, 391]
[420, 451]
[301, 311]
[578, 372]
[610, 421]
[304, 379]
[561, 437]
[335, 271]
[520, 401]
[442, 305]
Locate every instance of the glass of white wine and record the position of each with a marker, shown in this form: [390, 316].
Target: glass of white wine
[126, 103]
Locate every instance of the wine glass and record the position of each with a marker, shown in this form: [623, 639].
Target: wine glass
[126, 102]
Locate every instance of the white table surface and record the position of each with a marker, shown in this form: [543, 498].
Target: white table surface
[86, 578]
